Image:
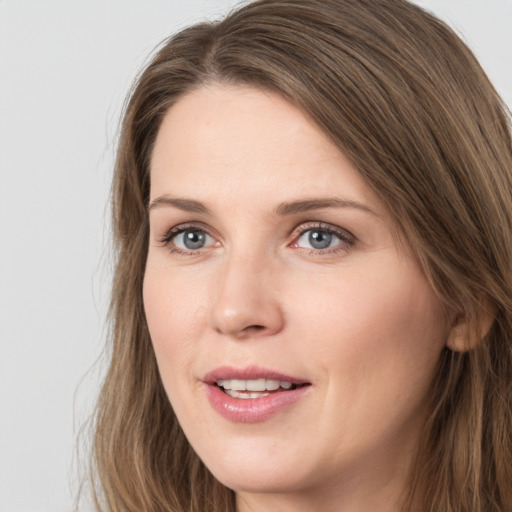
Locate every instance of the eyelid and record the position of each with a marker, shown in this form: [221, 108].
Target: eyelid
[346, 237]
[184, 226]
[166, 239]
[332, 228]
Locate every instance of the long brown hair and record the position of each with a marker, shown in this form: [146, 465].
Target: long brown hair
[399, 93]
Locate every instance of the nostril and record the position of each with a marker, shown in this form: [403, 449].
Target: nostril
[252, 330]
[255, 328]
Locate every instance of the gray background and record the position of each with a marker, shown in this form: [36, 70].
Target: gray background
[65, 68]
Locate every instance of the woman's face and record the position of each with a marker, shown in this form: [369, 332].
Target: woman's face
[272, 266]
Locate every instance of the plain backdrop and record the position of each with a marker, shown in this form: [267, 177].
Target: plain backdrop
[65, 68]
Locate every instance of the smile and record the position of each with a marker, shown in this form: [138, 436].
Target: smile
[254, 388]
[241, 399]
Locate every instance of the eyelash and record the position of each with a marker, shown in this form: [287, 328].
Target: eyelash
[166, 240]
[347, 240]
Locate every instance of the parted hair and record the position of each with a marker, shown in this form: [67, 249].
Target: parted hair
[407, 102]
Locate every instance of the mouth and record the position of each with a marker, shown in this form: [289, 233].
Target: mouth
[254, 394]
[254, 388]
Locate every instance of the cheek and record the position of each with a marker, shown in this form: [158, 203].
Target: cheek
[382, 329]
[175, 313]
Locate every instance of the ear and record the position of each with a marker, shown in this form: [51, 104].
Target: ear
[465, 335]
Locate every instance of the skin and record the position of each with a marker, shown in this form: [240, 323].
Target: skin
[357, 320]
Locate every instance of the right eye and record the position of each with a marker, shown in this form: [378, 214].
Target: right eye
[187, 239]
[192, 239]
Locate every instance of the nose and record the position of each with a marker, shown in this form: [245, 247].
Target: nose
[245, 301]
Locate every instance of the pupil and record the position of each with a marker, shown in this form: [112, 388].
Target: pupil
[320, 239]
[193, 239]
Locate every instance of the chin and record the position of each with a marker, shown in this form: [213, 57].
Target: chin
[257, 480]
[255, 472]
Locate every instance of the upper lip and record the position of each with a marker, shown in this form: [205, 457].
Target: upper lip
[249, 373]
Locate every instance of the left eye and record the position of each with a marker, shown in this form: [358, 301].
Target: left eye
[192, 239]
[318, 239]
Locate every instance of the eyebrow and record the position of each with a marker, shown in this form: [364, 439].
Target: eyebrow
[306, 205]
[283, 209]
[187, 205]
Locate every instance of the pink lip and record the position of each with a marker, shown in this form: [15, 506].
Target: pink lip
[251, 410]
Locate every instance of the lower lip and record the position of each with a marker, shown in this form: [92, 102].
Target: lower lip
[252, 410]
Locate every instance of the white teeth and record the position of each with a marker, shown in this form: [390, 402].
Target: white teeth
[253, 385]
[239, 385]
[258, 395]
[237, 394]
[225, 383]
[272, 385]
[256, 385]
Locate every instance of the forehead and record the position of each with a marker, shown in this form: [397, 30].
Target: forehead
[244, 144]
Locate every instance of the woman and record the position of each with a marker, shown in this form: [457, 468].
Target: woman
[312, 300]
